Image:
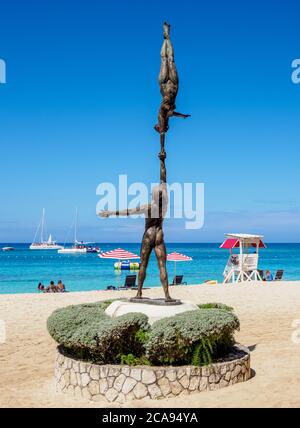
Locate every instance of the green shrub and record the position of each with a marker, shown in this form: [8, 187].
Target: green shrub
[191, 337]
[119, 336]
[131, 360]
[86, 332]
[196, 337]
[215, 306]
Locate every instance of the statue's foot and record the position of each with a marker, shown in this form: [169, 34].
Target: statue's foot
[169, 299]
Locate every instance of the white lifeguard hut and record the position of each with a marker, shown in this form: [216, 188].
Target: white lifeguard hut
[244, 265]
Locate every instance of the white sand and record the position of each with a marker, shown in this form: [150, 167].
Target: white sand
[266, 312]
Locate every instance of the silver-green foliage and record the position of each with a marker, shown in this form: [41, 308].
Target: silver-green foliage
[86, 332]
[215, 306]
[194, 336]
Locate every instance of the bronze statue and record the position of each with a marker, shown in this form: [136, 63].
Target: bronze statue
[155, 210]
[168, 82]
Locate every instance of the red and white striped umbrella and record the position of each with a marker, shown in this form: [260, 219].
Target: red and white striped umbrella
[119, 254]
[177, 257]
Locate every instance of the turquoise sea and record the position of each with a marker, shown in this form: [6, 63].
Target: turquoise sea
[22, 269]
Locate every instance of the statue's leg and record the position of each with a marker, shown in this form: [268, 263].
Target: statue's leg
[145, 254]
[163, 74]
[172, 71]
[161, 255]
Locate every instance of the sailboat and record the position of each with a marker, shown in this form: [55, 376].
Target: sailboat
[78, 247]
[42, 244]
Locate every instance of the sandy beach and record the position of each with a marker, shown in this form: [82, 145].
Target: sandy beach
[266, 313]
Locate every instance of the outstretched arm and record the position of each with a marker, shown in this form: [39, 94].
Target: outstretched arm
[127, 212]
[184, 116]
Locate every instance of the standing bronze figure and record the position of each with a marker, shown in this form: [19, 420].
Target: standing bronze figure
[155, 210]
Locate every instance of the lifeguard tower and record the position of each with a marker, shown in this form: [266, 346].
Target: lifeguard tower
[242, 266]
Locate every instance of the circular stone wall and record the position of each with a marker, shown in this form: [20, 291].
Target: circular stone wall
[125, 383]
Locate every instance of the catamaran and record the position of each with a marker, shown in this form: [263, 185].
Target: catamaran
[79, 247]
[42, 244]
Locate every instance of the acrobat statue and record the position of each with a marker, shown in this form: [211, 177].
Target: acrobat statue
[156, 209]
[153, 237]
[168, 82]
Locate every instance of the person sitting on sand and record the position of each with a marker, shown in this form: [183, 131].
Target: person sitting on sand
[61, 287]
[51, 288]
[41, 287]
[269, 276]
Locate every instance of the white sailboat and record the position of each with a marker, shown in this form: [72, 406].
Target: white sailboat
[78, 247]
[42, 244]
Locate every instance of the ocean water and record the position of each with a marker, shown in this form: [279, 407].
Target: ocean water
[21, 270]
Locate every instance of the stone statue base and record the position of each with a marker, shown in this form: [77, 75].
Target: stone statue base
[157, 302]
[154, 311]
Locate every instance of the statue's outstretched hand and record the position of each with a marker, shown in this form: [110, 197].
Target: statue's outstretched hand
[162, 155]
[104, 213]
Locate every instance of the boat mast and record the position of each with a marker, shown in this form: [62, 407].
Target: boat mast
[42, 225]
[76, 218]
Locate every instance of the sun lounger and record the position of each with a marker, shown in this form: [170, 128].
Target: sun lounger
[129, 284]
[178, 280]
[261, 273]
[279, 275]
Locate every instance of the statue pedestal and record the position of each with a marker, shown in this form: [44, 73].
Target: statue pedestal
[157, 302]
[155, 310]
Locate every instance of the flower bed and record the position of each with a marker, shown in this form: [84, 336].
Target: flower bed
[125, 358]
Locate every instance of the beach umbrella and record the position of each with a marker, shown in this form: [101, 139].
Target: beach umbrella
[118, 254]
[177, 257]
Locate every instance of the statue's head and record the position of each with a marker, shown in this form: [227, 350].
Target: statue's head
[167, 30]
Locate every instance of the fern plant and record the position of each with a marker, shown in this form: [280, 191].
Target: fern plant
[203, 352]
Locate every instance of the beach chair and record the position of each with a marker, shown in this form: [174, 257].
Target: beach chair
[261, 273]
[129, 283]
[177, 280]
[279, 275]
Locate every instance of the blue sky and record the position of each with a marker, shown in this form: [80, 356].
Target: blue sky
[82, 97]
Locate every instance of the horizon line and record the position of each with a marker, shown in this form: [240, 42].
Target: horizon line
[139, 243]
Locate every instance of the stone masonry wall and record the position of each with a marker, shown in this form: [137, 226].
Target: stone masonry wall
[124, 383]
